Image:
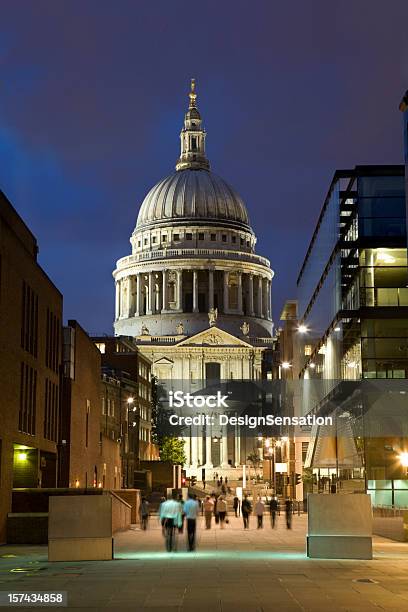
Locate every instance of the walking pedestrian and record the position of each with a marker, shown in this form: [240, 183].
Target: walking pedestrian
[274, 508]
[236, 506]
[170, 516]
[259, 511]
[216, 513]
[144, 513]
[208, 511]
[181, 502]
[288, 512]
[246, 511]
[222, 510]
[191, 508]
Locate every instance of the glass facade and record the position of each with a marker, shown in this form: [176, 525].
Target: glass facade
[353, 304]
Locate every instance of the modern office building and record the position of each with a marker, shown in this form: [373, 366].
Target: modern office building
[353, 319]
[30, 363]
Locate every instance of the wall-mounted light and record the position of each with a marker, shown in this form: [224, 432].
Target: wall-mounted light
[77, 484]
[404, 459]
[302, 329]
[286, 365]
[22, 456]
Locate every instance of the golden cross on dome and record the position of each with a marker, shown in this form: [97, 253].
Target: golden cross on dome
[192, 94]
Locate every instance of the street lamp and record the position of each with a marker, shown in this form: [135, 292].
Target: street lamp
[302, 329]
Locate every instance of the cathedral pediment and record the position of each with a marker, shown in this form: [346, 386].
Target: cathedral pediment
[164, 361]
[213, 336]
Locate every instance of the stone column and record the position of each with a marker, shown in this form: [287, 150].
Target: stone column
[210, 289]
[150, 302]
[259, 306]
[117, 300]
[164, 290]
[128, 286]
[224, 448]
[180, 290]
[226, 301]
[187, 449]
[208, 450]
[251, 312]
[138, 294]
[195, 290]
[194, 449]
[270, 300]
[239, 276]
[237, 446]
[265, 298]
[200, 446]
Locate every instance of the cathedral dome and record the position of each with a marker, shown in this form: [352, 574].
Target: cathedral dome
[193, 195]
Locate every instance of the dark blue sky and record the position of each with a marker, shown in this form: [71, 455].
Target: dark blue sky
[92, 97]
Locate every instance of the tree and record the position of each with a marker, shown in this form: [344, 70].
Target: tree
[166, 436]
[255, 460]
[172, 450]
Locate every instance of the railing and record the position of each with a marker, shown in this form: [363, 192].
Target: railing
[177, 253]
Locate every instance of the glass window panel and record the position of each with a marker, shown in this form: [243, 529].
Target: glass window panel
[400, 484]
[401, 499]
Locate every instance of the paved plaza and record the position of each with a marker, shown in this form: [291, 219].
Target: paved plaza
[233, 569]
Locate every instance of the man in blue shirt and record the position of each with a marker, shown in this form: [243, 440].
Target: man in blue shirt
[190, 510]
[170, 518]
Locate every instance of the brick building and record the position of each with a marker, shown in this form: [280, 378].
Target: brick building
[90, 454]
[126, 401]
[30, 363]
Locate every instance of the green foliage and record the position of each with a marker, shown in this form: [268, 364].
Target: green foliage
[165, 435]
[307, 475]
[172, 450]
[161, 427]
[254, 458]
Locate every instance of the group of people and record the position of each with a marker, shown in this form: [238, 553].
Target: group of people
[174, 512]
[217, 507]
[259, 511]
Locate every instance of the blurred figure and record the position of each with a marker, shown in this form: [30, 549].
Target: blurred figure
[246, 511]
[208, 511]
[236, 506]
[216, 513]
[144, 513]
[288, 512]
[274, 506]
[259, 511]
[170, 517]
[181, 502]
[222, 510]
[162, 500]
[191, 508]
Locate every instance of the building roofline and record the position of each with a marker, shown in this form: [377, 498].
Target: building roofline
[357, 171]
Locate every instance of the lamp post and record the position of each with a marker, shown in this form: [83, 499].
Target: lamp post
[131, 408]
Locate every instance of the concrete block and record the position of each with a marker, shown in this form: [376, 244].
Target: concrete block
[339, 547]
[339, 526]
[80, 549]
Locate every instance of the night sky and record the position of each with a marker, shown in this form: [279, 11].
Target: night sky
[92, 99]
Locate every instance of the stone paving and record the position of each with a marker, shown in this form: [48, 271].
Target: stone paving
[233, 569]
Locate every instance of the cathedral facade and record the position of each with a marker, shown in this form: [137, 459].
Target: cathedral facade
[193, 292]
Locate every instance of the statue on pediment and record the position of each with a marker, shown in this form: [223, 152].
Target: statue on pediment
[245, 328]
[212, 316]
